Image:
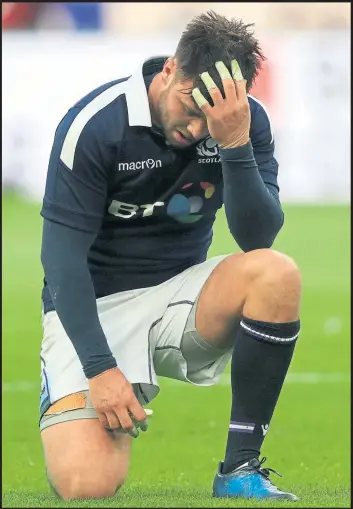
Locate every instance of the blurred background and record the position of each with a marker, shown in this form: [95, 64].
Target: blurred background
[52, 55]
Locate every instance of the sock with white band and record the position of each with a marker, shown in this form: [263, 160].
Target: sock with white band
[261, 358]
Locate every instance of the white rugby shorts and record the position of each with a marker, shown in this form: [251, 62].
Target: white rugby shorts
[151, 332]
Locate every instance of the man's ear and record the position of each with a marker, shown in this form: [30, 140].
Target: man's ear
[169, 70]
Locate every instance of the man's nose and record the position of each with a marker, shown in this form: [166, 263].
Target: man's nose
[197, 128]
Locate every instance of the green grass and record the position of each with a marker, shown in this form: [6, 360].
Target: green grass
[174, 463]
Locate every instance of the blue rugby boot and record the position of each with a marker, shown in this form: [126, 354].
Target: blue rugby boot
[249, 481]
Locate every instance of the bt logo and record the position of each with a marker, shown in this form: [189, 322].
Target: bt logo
[181, 208]
[127, 210]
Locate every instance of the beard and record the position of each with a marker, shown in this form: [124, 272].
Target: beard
[165, 124]
[164, 120]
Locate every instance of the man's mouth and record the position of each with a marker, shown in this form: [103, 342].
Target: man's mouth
[183, 139]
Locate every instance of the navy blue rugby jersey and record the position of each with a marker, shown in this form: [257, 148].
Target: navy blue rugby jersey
[152, 206]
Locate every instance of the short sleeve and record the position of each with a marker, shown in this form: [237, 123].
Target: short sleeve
[78, 172]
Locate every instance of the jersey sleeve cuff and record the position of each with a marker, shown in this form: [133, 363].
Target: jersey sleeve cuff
[92, 370]
[237, 153]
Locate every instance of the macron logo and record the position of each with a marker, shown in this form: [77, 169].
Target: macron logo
[140, 165]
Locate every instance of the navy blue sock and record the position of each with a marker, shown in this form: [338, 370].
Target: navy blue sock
[261, 357]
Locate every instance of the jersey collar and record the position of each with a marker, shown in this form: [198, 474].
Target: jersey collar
[138, 106]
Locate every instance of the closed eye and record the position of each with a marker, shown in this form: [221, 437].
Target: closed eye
[192, 113]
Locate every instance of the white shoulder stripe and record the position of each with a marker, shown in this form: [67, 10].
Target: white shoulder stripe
[98, 103]
[266, 111]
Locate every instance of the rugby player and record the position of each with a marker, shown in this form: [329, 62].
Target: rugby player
[138, 169]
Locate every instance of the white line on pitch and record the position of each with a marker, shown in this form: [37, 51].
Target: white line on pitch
[292, 378]
[20, 386]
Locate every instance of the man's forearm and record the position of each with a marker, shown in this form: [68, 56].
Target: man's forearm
[64, 258]
[253, 212]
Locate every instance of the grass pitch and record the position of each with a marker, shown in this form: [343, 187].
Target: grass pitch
[173, 464]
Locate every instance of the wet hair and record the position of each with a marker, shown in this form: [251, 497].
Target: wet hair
[211, 37]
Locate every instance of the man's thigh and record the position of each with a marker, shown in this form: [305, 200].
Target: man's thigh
[221, 301]
[224, 294]
[179, 351]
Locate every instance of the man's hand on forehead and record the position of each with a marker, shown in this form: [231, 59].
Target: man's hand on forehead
[216, 76]
[228, 119]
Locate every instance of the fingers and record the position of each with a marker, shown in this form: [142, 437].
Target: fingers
[234, 86]
[212, 88]
[240, 83]
[138, 414]
[223, 71]
[227, 81]
[126, 422]
[143, 424]
[200, 100]
[236, 71]
[113, 421]
[103, 419]
[120, 419]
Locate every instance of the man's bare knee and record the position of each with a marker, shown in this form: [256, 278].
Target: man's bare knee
[278, 269]
[275, 288]
[85, 461]
[240, 273]
[83, 485]
[271, 264]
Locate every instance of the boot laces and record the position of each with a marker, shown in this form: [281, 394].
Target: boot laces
[265, 471]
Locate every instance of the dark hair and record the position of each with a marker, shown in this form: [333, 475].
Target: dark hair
[211, 37]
